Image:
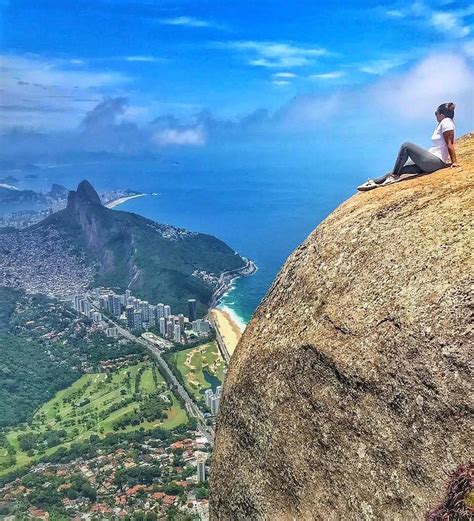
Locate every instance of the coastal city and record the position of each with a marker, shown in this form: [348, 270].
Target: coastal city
[155, 323]
[151, 471]
[133, 436]
[206, 312]
[48, 203]
[140, 315]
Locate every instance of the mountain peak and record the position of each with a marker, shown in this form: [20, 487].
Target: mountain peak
[85, 194]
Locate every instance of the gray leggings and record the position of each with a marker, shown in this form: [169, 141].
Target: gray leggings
[413, 159]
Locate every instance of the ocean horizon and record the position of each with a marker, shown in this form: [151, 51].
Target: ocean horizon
[263, 210]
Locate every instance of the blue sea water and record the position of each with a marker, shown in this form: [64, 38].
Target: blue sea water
[263, 206]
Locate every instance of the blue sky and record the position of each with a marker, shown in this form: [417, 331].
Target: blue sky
[134, 72]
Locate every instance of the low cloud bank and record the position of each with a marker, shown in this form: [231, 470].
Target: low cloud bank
[393, 104]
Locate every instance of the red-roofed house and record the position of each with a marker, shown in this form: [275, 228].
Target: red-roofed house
[37, 513]
[133, 490]
[169, 500]
[158, 495]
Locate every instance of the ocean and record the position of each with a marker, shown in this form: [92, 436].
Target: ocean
[263, 206]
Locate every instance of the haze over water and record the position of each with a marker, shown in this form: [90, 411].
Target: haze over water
[263, 208]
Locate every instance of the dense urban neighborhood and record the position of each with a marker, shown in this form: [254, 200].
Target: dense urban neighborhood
[160, 475]
[42, 263]
[149, 455]
[110, 399]
[118, 440]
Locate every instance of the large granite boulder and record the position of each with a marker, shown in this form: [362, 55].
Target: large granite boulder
[348, 396]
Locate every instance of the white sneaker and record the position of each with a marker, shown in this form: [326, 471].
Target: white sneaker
[390, 180]
[370, 184]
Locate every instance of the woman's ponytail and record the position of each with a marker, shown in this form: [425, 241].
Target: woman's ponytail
[447, 109]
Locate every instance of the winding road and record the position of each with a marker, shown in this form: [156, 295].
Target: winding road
[191, 407]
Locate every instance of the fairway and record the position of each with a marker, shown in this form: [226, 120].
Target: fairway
[124, 400]
[199, 367]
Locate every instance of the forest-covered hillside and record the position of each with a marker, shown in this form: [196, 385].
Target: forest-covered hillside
[44, 347]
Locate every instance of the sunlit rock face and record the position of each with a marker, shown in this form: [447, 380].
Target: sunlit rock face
[348, 396]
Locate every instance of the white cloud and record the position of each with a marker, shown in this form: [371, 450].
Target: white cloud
[306, 110]
[468, 48]
[404, 101]
[179, 136]
[437, 79]
[453, 23]
[77, 62]
[146, 59]
[276, 54]
[379, 67]
[400, 103]
[394, 13]
[284, 75]
[327, 75]
[188, 21]
[450, 23]
[50, 73]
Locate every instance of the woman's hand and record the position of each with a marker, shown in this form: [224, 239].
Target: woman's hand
[454, 165]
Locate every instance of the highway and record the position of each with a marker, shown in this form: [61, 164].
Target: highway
[226, 277]
[191, 407]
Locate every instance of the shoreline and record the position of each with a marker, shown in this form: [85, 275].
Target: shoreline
[238, 321]
[121, 200]
[229, 327]
[228, 332]
[228, 277]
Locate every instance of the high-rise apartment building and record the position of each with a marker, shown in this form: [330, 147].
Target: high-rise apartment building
[145, 310]
[129, 312]
[163, 326]
[208, 396]
[192, 309]
[177, 333]
[181, 321]
[200, 466]
[160, 310]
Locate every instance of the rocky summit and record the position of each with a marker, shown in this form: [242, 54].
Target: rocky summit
[87, 245]
[348, 396]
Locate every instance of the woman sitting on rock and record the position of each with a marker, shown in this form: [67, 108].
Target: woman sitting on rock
[413, 160]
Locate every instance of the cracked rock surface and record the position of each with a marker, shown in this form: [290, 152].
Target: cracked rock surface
[348, 396]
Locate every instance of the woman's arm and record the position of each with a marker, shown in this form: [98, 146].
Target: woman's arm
[449, 138]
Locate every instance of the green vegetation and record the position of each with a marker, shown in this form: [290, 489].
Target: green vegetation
[137, 475]
[130, 398]
[166, 266]
[94, 445]
[47, 497]
[8, 300]
[197, 367]
[28, 378]
[165, 257]
[45, 347]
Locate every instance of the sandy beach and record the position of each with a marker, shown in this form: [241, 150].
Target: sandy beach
[120, 200]
[228, 328]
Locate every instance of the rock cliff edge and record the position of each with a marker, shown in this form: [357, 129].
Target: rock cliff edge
[348, 396]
